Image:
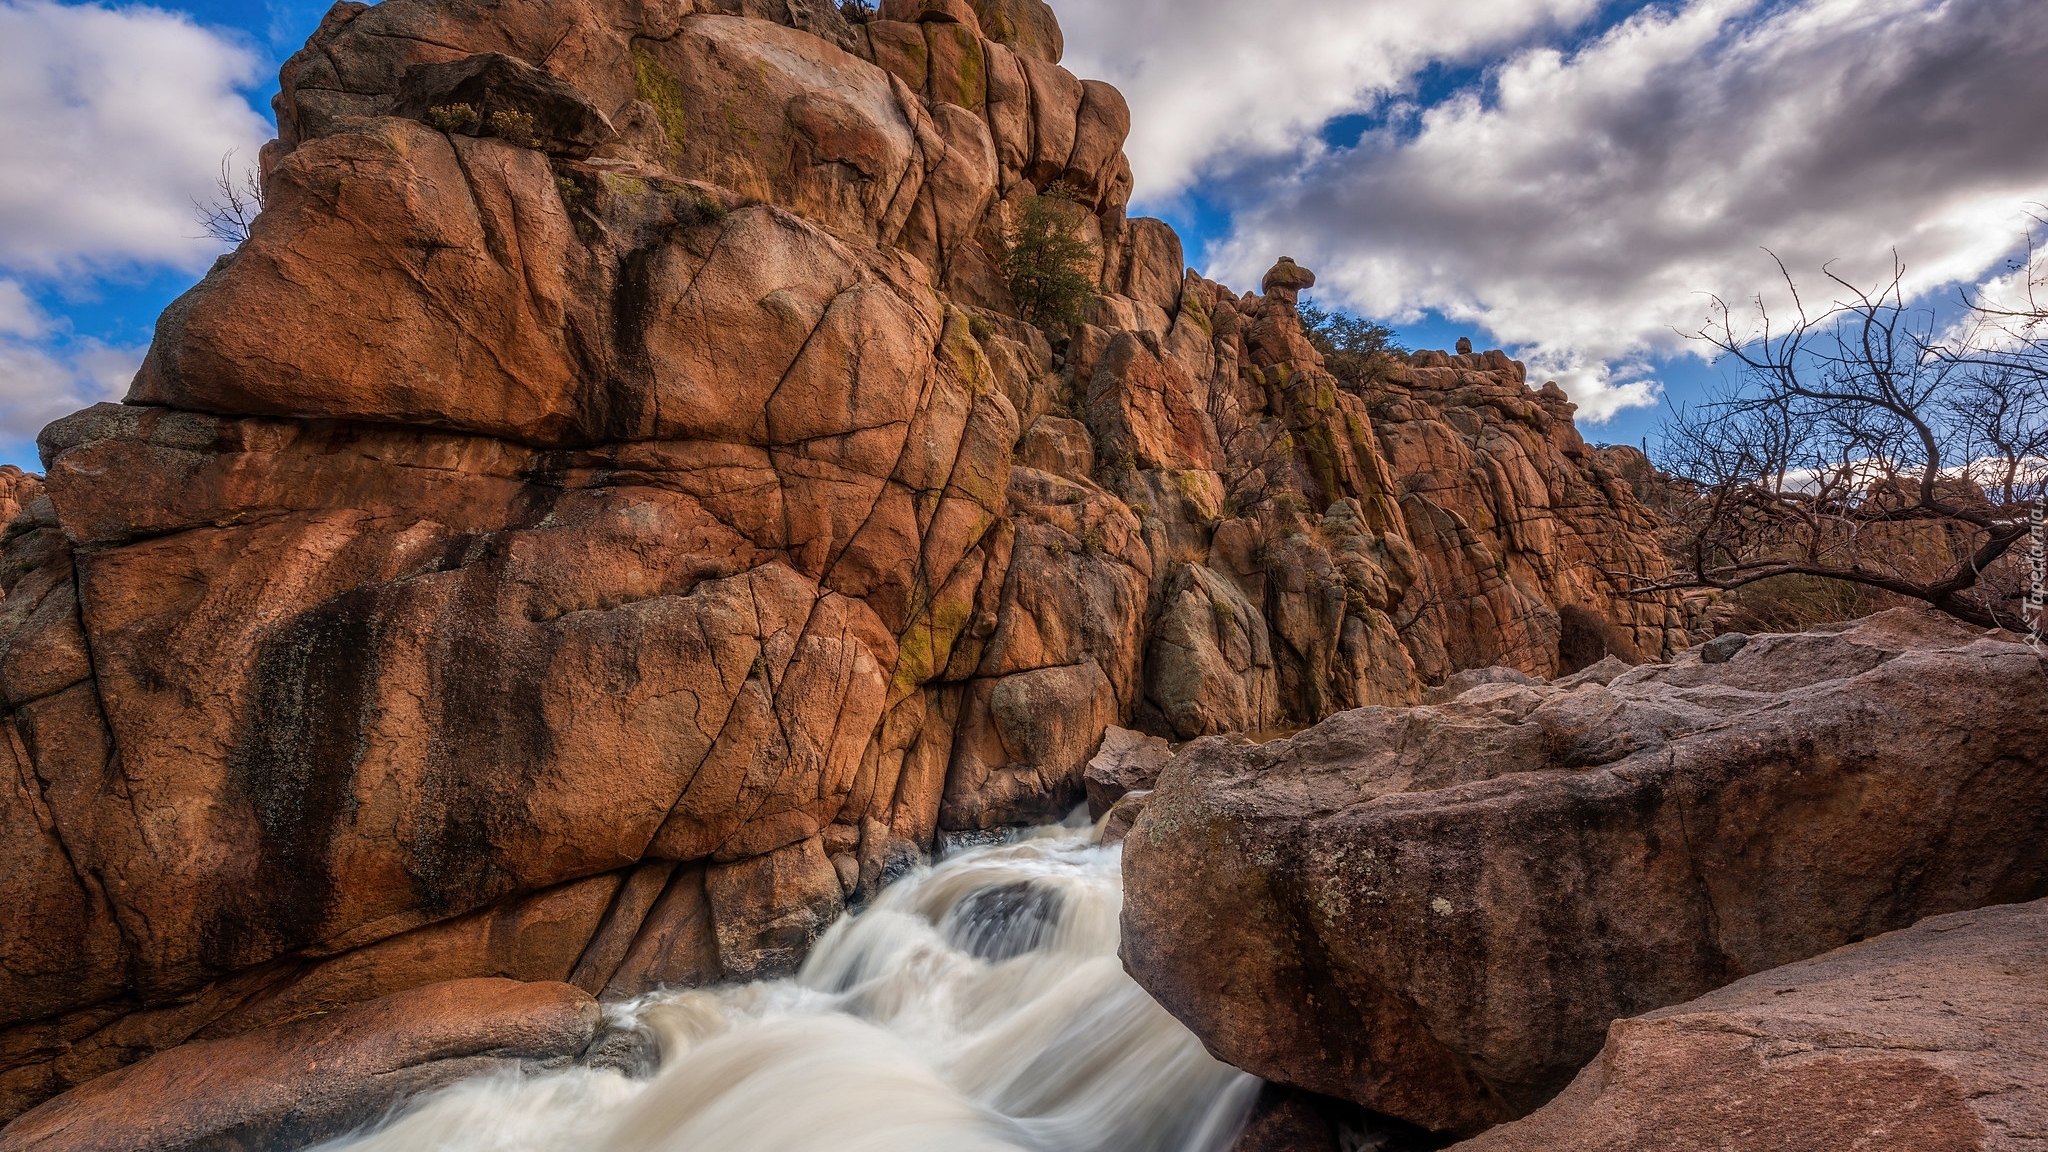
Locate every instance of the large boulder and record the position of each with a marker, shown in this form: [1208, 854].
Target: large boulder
[1028, 26]
[1435, 912]
[1927, 1038]
[306, 1081]
[664, 317]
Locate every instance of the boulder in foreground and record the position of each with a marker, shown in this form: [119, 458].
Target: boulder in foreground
[1934, 1039]
[302, 1082]
[1436, 912]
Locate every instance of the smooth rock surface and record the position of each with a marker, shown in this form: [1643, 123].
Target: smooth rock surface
[1435, 912]
[1128, 762]
[1930, 1038]
[298, 1083]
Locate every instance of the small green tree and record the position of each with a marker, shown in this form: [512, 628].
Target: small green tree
[1353, 349]
[1049, 263]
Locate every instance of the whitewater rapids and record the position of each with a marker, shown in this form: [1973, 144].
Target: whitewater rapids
[976, 1006]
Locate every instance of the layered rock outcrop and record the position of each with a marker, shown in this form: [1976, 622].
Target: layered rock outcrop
[608, 515]
[1436, 912]
[1927, 1038]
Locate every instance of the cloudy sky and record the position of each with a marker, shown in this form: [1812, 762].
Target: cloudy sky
[1569, 179]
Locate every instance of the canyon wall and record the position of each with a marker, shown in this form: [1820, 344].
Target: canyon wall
[609, 515]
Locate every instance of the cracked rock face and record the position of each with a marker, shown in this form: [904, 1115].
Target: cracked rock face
[1435, 912]
[608, 516]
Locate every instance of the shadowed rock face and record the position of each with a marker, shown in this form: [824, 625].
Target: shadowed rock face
[1435, 912]
[608, 515]
[311, 1080]
[1926, 1038]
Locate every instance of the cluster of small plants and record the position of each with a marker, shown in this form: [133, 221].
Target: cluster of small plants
[464, 119]
[513, 127]
[454, 118]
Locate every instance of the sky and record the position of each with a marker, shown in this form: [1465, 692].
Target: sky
[1572, 180]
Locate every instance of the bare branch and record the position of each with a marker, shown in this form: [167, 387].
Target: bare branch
[1863, 445]
[236, 202]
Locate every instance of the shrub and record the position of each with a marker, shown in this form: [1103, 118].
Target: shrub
[454, 118]
[513, 127]
[1048, 262]
[694, 206]
[1354, 350]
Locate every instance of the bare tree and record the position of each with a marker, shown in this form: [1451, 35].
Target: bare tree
[1868, 443]
[234, 205]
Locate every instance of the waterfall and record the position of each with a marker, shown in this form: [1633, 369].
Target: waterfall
[976, 1006]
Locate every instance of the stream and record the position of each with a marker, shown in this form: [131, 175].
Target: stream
[975, 1005]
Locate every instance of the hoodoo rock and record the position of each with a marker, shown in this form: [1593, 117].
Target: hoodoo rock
[609, 515]
[1435, 912]
[1929, 1038]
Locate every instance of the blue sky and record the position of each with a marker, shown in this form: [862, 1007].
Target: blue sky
[1568, 179]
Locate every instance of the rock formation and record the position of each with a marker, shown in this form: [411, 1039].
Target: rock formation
[1928, 1038]
[295, 1085]
[1435, 912]
[608, 515]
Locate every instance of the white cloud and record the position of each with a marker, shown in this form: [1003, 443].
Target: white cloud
[1221, 80]
[19, 316]
[43, 377]
[1599, 387]
[112, 120]
[1582, 207]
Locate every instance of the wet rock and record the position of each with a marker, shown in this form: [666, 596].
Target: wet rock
[1122, 817]
[675, 945]
[311, 1079]
[768, 911]
[1027, 739]
[1435, 912]
[1923, 1038]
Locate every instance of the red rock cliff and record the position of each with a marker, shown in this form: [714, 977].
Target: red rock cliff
[606, 516]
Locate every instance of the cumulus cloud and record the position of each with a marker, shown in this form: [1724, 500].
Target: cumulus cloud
[1214, 81]
[113, 120]
[1582, 206]
[43, 375]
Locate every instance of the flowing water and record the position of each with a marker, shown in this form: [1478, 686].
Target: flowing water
[978, 1005]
